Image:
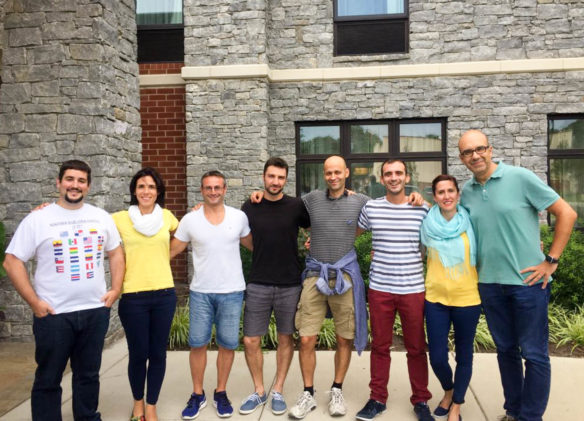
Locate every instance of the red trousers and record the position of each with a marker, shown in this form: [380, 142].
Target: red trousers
[382, 308]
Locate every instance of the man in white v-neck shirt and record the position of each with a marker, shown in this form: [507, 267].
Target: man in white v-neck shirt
[216, 291]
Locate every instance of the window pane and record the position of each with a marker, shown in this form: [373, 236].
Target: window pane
[320, 140]
[420, 137]
[311, 177]
[159, 12]
[421, 175]
[566, 133]
[370, 138]
[365, 179]
[369, 7]
[567, 178]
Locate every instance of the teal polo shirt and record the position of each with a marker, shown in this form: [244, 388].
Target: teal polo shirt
[504, 214]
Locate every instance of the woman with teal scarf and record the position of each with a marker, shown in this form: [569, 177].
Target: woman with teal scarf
[452, 296]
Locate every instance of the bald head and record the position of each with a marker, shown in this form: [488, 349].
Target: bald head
[473, 136]
[335, 175]
[335, 160]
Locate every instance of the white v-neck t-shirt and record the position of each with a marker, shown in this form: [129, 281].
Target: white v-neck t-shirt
[215, 250]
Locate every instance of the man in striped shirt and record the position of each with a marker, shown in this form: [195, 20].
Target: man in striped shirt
[396, 284]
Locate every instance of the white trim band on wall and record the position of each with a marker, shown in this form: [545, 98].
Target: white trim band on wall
[245, 71]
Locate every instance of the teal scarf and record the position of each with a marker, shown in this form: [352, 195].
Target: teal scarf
[444, 237]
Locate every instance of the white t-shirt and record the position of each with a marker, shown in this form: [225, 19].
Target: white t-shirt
[216, 259]
[69, 246]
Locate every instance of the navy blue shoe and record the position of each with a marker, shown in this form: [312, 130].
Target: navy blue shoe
[223, 405]
[194, 405]
[422, 411]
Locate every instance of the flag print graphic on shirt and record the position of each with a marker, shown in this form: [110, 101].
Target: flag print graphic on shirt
[58, 254]
[88, 250]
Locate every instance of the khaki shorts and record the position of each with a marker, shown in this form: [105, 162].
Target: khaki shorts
[312, 309]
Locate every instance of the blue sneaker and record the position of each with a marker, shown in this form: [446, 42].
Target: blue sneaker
[371, 409]
[423, 412]
[252, 402]
[278, 404]
[223, 405]
[194, 405]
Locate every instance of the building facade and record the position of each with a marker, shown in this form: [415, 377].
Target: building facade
[228, 83]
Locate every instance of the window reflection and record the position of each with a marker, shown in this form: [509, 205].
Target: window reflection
[320, 140]
[420, 137]
[369, 7]
[159, 12]
[370, 138]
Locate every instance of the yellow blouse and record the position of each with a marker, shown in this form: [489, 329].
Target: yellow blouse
[147, 258]
[456, 287]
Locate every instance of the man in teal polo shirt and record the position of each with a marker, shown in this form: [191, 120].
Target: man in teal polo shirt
[504, 202]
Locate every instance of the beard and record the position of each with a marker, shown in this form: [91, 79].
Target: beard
[274, 191]
[73, 201]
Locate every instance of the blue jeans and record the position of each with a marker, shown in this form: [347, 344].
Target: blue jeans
[518, 320]
[223, 310]
[438, 320]
[146, 317]
[77, 336]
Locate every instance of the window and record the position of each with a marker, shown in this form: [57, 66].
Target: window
[160, 30]
[566, 160]
[365, 145]
[370, 27]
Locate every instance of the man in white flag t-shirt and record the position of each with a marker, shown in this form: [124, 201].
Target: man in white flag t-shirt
[69, 298]
[216, 291]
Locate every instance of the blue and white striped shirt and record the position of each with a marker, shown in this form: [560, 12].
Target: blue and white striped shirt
[396, 266]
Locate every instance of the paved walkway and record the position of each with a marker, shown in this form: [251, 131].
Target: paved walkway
[483, 400]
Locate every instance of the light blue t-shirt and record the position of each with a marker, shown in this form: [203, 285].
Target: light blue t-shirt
[504, 214]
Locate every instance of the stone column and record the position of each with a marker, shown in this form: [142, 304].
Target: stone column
[227, 119]
[69, 90]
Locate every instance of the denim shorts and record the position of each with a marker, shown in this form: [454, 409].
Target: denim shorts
[223, 310]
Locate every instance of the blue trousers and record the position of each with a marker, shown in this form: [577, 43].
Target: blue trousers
[77, 336]
[518, 320]
[439, 318]
[146, 317]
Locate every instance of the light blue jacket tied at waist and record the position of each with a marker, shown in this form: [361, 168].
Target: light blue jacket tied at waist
[349, 265]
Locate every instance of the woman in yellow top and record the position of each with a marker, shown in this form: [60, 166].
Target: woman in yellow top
[452, 295]
[148, 299]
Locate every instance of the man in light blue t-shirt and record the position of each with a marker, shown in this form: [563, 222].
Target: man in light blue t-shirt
[504, 202]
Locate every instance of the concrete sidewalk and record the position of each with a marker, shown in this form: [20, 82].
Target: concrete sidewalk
[484, 399]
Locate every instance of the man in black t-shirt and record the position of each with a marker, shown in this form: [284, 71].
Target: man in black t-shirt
[274, 282]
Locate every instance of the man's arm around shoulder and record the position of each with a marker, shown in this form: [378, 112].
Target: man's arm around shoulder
[16, 270]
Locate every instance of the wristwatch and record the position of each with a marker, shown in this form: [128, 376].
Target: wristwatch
[551, 259]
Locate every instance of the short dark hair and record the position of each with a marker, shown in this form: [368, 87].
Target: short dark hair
[213, 173]
[75, 164]
[444, 177]
[160, 189]
[391, 161]
[276, 162]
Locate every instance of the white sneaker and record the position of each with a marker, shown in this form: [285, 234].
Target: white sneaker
[304, 405]
[337, 405]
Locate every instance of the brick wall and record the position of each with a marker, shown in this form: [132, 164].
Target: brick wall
[162, 110]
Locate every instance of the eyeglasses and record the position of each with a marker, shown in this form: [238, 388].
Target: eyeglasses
[479, 149]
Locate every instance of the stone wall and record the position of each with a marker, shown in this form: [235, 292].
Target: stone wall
[227, 129]
[300, 33]
[225, 32]
[70, 90]
[511, 109]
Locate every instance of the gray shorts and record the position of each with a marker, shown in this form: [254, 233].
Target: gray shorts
[260, 300]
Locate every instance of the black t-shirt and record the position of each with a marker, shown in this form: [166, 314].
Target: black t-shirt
[274, 228]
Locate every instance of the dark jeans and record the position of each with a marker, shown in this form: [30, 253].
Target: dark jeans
[146, 317]
[438, 320]
[78, 336]
[518, 320]
[382, 309]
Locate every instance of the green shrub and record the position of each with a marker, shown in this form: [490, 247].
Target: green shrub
[568, 284]
[179, 329]
[363, 248]
[566, 326]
